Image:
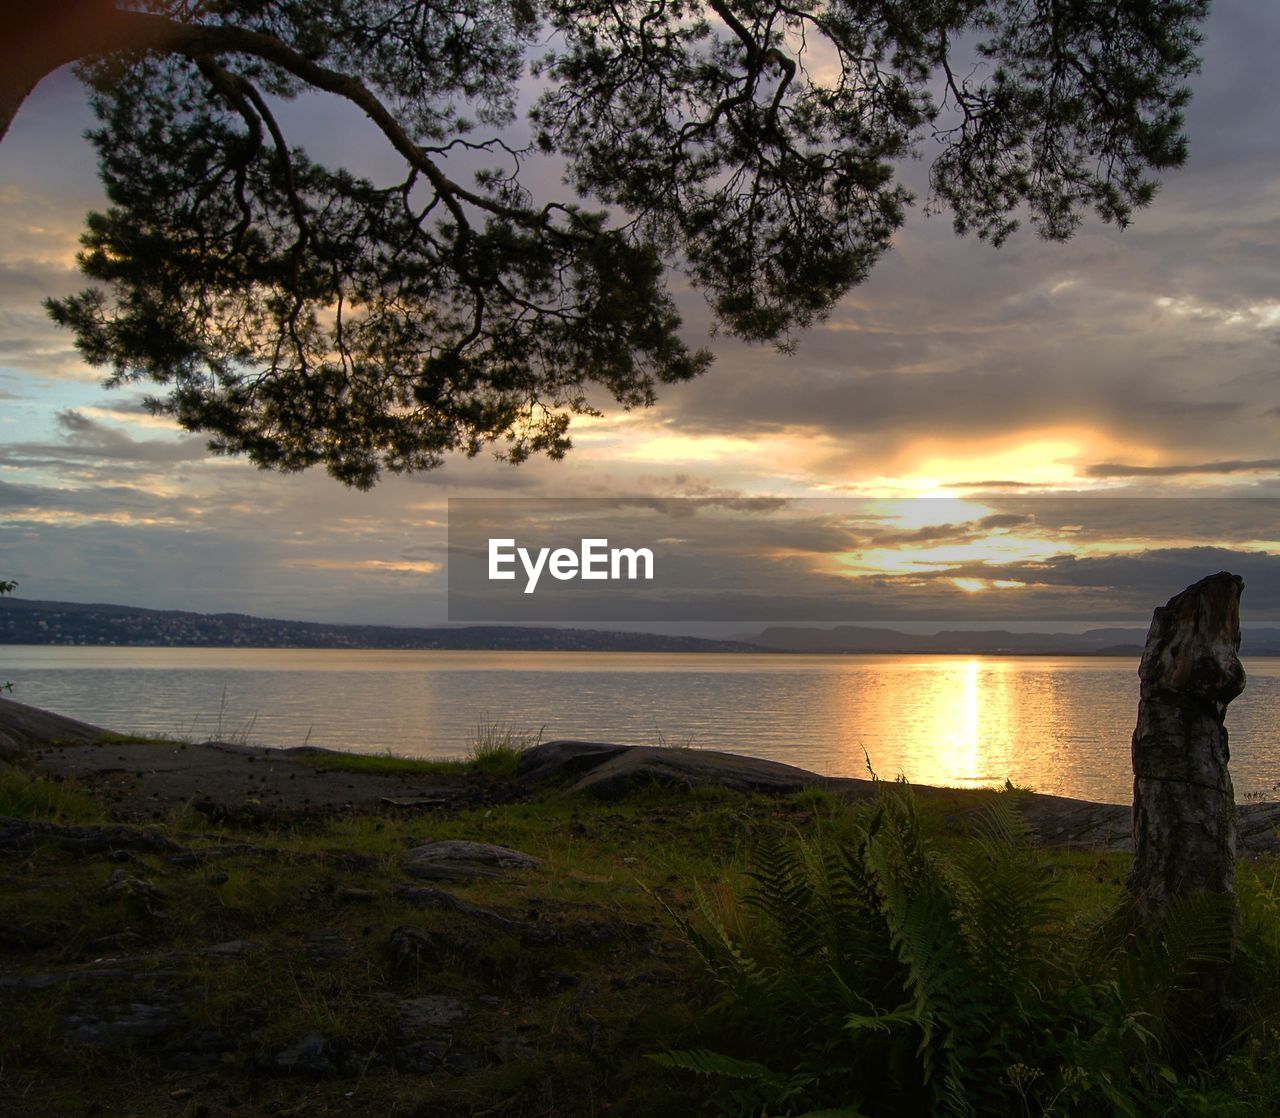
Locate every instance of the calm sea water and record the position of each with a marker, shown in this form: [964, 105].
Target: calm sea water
[1059, 725]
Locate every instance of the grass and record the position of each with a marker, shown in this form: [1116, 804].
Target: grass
[561, 1028]
[663, 742]
[142, 739]
[494, 750]
[1260, 795]
[550, 1045]
[380, 764]
[496, 747]
[23, 796]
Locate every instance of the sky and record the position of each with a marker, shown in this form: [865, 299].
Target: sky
[1125, 363]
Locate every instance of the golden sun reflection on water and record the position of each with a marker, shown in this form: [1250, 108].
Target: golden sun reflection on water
[965, 753]
[960, 722]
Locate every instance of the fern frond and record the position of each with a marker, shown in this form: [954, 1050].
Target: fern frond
[881, 1022]
[702, 1061]
[1197, 932]
[838, 1112]
[1008, 903]
[783, 893]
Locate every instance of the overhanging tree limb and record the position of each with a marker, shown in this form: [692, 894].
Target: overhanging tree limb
[303, 315]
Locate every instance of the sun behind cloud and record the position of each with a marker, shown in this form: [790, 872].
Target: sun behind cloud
[1046, 459]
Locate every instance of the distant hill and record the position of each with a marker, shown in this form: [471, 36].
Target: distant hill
[25, 621]
[1094, 642]
[857, 638]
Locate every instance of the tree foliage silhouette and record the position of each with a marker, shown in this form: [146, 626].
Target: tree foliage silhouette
[304, 315]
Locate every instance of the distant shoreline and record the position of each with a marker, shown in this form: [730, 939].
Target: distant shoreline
[993, 654]
[27, 622]
[1048, 654]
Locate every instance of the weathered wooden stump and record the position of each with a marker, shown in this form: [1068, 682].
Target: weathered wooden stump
[1184, 813]
[1184, 826]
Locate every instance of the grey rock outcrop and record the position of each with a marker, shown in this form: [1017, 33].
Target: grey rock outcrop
[610, 772]
[425, 897]
[308, 1055]
[457, 860]
[24, 833]
[23, 728]
[424, 1029]
[122, 1026]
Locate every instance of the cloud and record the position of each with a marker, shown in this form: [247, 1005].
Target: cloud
[364, 566]
[169, 567]
[1120, 469]
[120, 504]
[87, 439]
[40, 226]
[690, 505]
[1092, 521]
[994, 483]
[948, 533]
[1126, 584]
[1163, 336]
[691, 586]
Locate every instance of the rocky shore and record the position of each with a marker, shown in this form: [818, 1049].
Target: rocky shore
[142, 779]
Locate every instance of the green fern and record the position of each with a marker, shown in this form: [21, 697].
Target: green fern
[880, 976]
[700, 1061]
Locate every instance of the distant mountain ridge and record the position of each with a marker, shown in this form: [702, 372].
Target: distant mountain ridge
[27, 621]
[1094, 642]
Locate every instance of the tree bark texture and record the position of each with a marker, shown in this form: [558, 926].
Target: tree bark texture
[38, 37]
[1184, 825]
